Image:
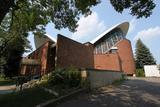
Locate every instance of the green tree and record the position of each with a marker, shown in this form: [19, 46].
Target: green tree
[64, 9]
[63, 13]
[143, 55]
[138, 8]
[12, 45]
[12, 54]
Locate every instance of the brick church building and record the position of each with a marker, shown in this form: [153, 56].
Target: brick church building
[108, 51]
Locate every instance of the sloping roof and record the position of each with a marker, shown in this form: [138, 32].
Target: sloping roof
[123, 26]
[39, 41]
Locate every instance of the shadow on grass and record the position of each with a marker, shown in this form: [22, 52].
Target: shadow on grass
[6, 82]
[25, 98]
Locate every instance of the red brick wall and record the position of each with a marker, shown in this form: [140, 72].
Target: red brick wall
[51, 58]
[126, 55]
[106, 62]
[41, 54]
[72, 53]
[123, 60]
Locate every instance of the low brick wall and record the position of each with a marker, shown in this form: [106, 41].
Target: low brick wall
[100, 78]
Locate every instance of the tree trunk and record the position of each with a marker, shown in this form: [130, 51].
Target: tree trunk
[5, 6]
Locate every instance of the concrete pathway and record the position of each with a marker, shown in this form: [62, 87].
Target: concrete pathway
[135, 92]
[7, 89]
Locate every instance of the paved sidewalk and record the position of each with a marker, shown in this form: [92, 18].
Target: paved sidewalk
[7, 89]
[135, 92]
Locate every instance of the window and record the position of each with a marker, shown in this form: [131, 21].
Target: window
[109, 41]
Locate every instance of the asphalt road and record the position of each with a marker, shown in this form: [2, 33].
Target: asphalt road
[135, 92]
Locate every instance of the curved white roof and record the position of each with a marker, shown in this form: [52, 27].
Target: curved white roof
[39, 41]
[123, 26]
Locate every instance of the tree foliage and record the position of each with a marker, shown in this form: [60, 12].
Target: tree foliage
[12, 53]
[140, 72]
[63, 13]
[12, 45]
[143, 55]
[66, 13]
[138, 8]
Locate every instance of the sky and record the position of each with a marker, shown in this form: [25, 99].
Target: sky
[104, 16]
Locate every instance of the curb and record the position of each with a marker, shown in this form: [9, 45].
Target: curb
[60, 98]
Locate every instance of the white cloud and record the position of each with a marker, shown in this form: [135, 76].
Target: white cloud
[133, 24]
[148, 33]
[89, 27]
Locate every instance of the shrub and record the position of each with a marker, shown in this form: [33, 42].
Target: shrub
[70, 77]
[123, 77]
[140, 73]
[45, 77]
[2, 77]
[56, 77]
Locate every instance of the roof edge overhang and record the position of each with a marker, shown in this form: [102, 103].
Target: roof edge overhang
[39, 41]
[123, 26]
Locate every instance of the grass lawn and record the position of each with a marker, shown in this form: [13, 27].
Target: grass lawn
[26, 98]
[6, 81]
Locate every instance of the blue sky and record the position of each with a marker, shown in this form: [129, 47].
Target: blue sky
[104, 17]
